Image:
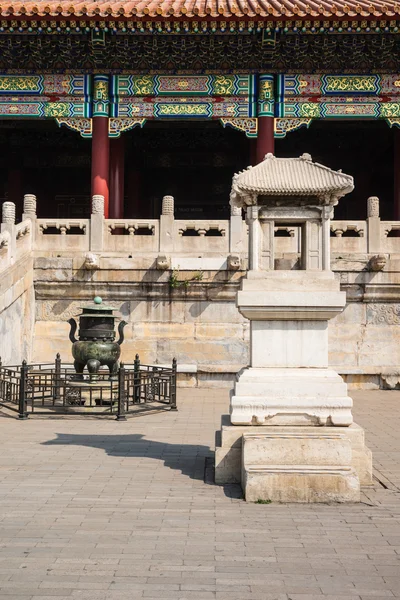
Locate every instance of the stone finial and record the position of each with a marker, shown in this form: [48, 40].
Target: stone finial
[373, 206]
[98, 205]
[30, 204]
[168, 205]
[8, 212]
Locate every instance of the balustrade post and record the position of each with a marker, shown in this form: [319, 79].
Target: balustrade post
[97, 224]
[167, 225]
[29, 212]
[22, 411]
[373, 226]
[121, 394]
[236, 230]
[8, 224]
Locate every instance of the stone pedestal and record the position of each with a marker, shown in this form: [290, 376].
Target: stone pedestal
[290, 436]
[288, 381]
[290, 396]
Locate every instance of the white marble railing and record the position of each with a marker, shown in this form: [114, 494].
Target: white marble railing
[5, 250]
[62, 234]
[15, 240]
[169, 240]
[131, 235]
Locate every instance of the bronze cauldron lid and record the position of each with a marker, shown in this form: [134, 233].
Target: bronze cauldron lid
[97, 310]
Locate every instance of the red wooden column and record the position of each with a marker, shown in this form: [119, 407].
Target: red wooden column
[265, 138]
[117, 175]
[100, 141]
[100, 160]
[396, 160]
[265, 113]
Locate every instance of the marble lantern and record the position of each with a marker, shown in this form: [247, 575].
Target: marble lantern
[291, 435]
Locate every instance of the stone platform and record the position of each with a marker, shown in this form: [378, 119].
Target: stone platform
[107, 510]
[228, 454]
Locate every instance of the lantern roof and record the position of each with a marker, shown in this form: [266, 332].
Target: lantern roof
[290, 177]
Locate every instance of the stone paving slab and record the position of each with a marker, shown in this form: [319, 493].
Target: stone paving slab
[100, 510]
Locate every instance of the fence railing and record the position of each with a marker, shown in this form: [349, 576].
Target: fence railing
[56, 389]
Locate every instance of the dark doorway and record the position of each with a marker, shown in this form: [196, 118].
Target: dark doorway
[52, 162]
[194, 162]
[363, 149]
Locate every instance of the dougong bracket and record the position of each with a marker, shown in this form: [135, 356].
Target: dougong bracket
[117, 125]
[249, 125]
[81, 125]
[283, 126]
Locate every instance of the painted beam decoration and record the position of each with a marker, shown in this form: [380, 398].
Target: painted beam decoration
[53, 96]
[338, 96]
[183, 97]
[237, 101]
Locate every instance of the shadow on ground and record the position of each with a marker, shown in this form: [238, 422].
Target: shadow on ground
[194, 461]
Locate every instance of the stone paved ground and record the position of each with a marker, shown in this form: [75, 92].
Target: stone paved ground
[100, 510]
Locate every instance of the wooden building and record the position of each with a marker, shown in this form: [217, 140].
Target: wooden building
[138, 99]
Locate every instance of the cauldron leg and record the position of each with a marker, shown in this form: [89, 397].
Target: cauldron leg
[114, 367]
[93, 366]
[79, 366]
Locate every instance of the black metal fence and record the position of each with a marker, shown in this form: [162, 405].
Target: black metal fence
[57, 389]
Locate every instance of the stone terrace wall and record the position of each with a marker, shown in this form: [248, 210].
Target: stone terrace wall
[189, 313]
[200, 324]
[17, 297]
[17, 312]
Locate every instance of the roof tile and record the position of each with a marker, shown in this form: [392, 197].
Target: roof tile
[202, 8]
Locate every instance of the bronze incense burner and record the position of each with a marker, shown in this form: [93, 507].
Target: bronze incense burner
[96, 345]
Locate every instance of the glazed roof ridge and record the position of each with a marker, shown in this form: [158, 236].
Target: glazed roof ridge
[256, 9]
[291, 176]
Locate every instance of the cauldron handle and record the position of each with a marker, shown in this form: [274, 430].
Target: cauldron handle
[121, 331]
[72, 331]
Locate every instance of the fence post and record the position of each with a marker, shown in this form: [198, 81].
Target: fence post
[121, 394]
[22, 412]
[136, 380]
[173, 386]
[57, 377]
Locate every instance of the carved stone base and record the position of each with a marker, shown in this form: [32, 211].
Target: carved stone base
[290, 397]
[228, 453]
[303, 466]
